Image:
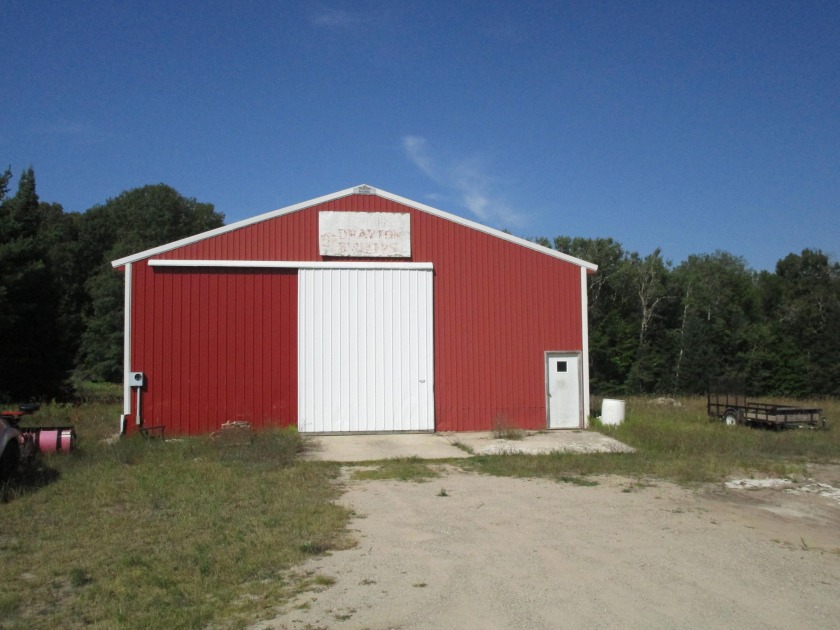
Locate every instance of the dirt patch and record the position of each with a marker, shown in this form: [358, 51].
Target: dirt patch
[796, 513]
[468, 550]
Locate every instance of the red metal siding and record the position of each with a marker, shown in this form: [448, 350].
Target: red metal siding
[498, 308]
[216, 345]
[290, 237]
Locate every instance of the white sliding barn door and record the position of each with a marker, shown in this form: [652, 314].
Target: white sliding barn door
[365, 350]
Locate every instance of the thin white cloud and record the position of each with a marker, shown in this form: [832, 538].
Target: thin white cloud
[467, 180]
[415, 149]
[337, 19]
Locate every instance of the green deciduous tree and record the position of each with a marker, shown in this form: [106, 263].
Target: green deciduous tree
[137, 219]
[648, 279]
[802, 304]
[716, 313]
[654, 328]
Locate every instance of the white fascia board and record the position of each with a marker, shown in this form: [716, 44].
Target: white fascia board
[289, 264]
[364, 189]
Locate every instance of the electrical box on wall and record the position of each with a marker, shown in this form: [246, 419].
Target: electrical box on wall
[136, 379]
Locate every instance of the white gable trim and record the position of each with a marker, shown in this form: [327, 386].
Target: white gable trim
[229, 228]
[364, 189]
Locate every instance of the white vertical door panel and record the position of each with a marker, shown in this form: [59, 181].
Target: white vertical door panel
[563, 390]
[365, 350]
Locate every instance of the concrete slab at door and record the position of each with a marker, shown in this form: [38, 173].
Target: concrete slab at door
[563, 390]
[365, 350]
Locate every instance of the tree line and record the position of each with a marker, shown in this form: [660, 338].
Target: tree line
[653, 327]
[659, 328]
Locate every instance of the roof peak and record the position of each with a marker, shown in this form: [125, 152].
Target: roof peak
[361, 189]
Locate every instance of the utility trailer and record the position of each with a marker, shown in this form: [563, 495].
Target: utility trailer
[727, 402]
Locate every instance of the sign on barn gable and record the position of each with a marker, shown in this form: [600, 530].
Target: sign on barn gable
[365, 234]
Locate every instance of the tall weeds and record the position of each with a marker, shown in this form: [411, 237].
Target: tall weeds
[176, 534]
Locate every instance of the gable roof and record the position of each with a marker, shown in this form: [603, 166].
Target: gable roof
[356, 190]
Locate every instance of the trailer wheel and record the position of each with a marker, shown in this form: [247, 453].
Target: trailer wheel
[731, 417]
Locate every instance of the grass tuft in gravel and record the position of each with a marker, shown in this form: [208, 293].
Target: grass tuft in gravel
[401, 468]
[504, 429]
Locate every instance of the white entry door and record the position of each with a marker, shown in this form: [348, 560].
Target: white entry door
[563, 390]
[365, 350]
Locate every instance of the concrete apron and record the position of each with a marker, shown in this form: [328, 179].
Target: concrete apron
[369, 447]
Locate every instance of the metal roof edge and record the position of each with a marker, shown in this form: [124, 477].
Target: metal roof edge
[488, 230]
[160, 249]
[361, 189]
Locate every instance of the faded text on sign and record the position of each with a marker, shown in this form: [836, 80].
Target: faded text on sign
[365, 234]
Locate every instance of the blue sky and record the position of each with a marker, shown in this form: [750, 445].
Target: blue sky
[690, 126]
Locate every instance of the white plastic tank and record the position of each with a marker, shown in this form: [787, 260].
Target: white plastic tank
[612, 411]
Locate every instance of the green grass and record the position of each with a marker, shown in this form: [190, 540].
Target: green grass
[681, 444]
[197, 533]
[89, 392]
[400, 468]
[177, 534]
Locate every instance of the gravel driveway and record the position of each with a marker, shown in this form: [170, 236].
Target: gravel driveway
[512, 553]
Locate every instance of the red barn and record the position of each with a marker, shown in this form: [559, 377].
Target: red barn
[357, 311]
